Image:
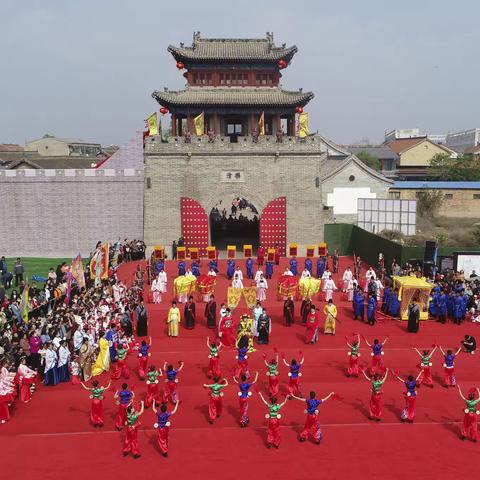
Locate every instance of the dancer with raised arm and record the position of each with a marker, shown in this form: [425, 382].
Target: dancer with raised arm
[312, 423]
[449, 378]
[294, 374]
[411, 383]
[425, 376]
[244, 392]
[377, 355]
[273, 416]
[469, 427]
[272, 374]
[130, 444]
[153, 394]
[143, 354]
[96, 409]
[215, 405]
[214, 359]
[125, 397]
[163, 425]
[376, 382]
[354, 353]
[170, 392]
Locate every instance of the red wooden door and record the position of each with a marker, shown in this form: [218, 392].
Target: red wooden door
[194, 224]
[273, 224]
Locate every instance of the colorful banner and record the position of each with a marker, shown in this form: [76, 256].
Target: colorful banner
[78, 272]
[199, 123]
[99, 263]
[69, 288]
[287, 286]
[152, 124]
[184, 285]
[24, 307]
[234, 296]
[261, 124]
[303, 130]
[250, 296]
[309, 287]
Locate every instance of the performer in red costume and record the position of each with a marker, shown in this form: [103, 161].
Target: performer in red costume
[214, 369]
[143, 354]
[273, 382]
[163, 426]
[294, 374]
[353, 370]
[125, 397]
[227, 330]
[215, 405]
[170, 392]
[96, 410]
[469, 427]
[449, 378]
[377, 356]
[313, 324]
[244, 386]
[260, 255]
[376, 398]
[278, 254]
[26, 377]
[425, 376]
[312, 423]
[411, 383]
[120, 367]
[273, 416]
[130, 444]
[153, 395]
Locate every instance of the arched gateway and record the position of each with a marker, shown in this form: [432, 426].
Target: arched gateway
[233, 135]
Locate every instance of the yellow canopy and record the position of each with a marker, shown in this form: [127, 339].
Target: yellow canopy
[411, 287]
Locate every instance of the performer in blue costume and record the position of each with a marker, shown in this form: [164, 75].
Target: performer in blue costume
[387, 292]
[394, 305]
[320, 267]
[244, 393]
[230, 268]
[269, 270]
[181, 268]
[195, 268]
[249, 268]
[294, 266]
[442, 307]
[359, 304]
[112, 337]
[371, 308]
[213, 264]
[308, 265]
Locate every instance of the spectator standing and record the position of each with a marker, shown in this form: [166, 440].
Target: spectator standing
[18, 271]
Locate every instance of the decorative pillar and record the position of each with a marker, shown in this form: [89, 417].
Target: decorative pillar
[173, 120]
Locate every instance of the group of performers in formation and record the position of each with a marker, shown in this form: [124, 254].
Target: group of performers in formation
[115, 346]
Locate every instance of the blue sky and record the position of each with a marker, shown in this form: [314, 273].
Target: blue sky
[87, 68]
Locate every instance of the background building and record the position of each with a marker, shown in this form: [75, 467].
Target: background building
[462, 141]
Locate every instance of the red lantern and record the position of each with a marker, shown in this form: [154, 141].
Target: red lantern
[180, 65]
[299, 109]
[282, 64]
[163, 110]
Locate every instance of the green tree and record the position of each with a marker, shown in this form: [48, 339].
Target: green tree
[369, 160]
[429, 201]
[462, 168]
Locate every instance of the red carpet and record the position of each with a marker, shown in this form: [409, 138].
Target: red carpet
[52, 437]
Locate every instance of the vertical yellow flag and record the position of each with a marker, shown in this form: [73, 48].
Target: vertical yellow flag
[261, 124]
[199, 122]
[152, 124]
[303, 125]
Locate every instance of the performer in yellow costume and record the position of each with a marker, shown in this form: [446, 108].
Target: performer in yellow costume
[245, 329]
[330, 310]
[102, 363]
[173, 320]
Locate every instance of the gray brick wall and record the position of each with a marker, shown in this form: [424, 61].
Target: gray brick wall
[56, 213]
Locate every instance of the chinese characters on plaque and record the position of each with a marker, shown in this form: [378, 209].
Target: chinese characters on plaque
[232, 176]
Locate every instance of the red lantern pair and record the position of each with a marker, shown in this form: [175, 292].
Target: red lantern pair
[299, 109]
[180, 65]
[163, 110]
[282, 64]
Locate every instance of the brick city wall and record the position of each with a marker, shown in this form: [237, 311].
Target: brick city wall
[268, 170]
[58, 213]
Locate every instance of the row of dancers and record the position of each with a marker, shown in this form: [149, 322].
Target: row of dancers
[128, 413]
